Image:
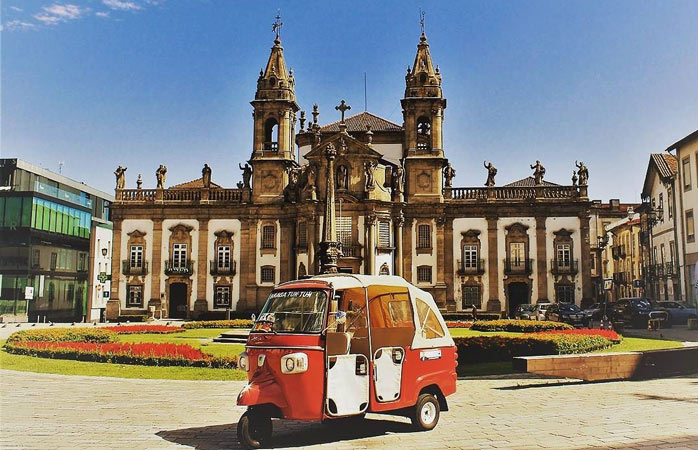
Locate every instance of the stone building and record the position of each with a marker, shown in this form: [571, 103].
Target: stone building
[198, 249]
[625, 255]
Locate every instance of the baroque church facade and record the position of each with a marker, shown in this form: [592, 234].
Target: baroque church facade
[199, 250]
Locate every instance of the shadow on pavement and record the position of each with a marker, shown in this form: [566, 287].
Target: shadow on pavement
[666, 398]
[287, 433]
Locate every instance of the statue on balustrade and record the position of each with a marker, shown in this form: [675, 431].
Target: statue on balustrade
[291, 190]
[139, 182]
[398, 178]
[120, 173]
[160, 174]
[342, 177]
[491, 173]
[583, 173]
[538, 173]
[449, 174]
[246, 175]
[310, 181]
[206, 176]
[369, 166]
[574, 178]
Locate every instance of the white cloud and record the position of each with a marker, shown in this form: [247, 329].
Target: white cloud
[55, 13]
[102, 14]
[14, 8]
[121, 5]
[18, 25]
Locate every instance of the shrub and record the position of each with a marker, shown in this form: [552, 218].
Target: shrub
[235, 323]
[608, 334]
[147, 353]
[503, 348]
[459, 324]
[63, 335]
[469, 317]
[521, 326]
[142, 329]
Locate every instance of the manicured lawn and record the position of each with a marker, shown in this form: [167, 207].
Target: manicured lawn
[629, 344]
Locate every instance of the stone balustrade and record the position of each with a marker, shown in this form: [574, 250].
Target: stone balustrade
[179, 195]
[503, 193]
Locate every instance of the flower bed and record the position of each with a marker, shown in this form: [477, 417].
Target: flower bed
[520, 326]
[608, 334]
[82, 334]
[503, 348]
[149, 354]
[235, 323]
[458, 324]
[142, 329]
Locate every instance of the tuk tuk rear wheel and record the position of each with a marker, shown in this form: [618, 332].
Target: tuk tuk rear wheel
[426, 413]
[254, 429]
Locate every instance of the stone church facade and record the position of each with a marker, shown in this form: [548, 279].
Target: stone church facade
[198, 249]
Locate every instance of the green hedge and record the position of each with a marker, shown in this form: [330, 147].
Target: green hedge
[469, 316]
[82, 334]
[519, 326]
[235, 323]
[503, 348]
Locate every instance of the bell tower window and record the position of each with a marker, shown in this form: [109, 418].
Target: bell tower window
[423, 133]
[271, 135]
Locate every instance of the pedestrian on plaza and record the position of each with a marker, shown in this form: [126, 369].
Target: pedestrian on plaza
[474, 313]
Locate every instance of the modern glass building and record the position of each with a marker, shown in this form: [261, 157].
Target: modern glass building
[46, 224]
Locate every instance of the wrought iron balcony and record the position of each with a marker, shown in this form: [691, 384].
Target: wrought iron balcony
[670, 269]
[132, 269]
[561, 267]
[518, 266]
[659, 270]
[216, 269]
[351, 251]
[186, 268]
[471, 267]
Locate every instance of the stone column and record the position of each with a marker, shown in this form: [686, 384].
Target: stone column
[286, 227]
[493, 265]
[248, 265]
[436, 130]
[156, 265]
[449, 265]
[407, 249]
[311, 244]
[440, 296]
[399, 221]
[201, 303]
[114, 303]
[370, 249]
[542, 261]
[587, 291]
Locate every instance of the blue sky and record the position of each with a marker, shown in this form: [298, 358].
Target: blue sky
[97, 83]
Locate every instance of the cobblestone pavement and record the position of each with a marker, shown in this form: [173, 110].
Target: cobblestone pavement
[54, 411]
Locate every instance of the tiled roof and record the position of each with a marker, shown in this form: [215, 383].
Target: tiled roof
[198, 183]
[358, 122]
[666, 164]
[529, 182]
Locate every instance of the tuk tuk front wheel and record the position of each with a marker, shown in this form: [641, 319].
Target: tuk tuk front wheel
[426, 413]
[254, 429]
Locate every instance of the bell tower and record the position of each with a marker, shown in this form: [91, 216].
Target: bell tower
[274, 117]
[423, 112]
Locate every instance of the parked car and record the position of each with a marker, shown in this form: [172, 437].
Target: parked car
[567, 313]
[594, 312]
[525, 312]
[633, 311]
[539, 311]
[678, 312]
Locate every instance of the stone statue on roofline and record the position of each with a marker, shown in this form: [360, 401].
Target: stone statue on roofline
[583, 173]
[206, 176]
[491, 173]
[538, 173]
[449, 174]
[369, 166]
[139, 182]
[398, 179]
[161, 174]
[246, 175]
[120, 173]
[574, 178]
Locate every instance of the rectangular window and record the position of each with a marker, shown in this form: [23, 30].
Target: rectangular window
[344, 230]
[471, 296]
[268, 236]
[470, 256]
[690, 227]
[661, 207]
[134, 296]
[383, 233]
[223, 257]
[424, 236]
[302, 234]
[54, 260]
[517, 254]
[267, 275]
[564, 293]
[563, 255]
[36, 257]
[424, 274]
[179, 255]
[82, 262]
[222, 299]
[670, 203]
[686, 164]
[136, 259]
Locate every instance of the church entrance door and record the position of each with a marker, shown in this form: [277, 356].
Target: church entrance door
[178, 301]
[517, 295]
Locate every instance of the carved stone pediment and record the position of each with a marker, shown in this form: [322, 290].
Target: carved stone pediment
[471, 234]
[563, 233]
[517, 227]
[136, 234]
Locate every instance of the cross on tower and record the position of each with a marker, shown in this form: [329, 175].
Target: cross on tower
[342, 107]
[421, 19]
[276, 26]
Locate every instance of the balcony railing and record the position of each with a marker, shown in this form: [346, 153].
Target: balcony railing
[518, 266]
[186, 268]
[351, 251]
[658, 270]
[128, 269]
[476, 267]
[179, 195]
[620, 278]
[670, 270]
[561, 267]
[216, 269]
[512, 193]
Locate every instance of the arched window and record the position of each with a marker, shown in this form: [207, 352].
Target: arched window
[423, 133]
[271, 134]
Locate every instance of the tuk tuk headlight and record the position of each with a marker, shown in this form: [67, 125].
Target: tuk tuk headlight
[244, 362]
[294, 363]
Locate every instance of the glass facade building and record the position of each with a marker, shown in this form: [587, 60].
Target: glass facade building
[46, 221]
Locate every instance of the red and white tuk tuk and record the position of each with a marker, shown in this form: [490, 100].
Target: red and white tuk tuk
[339, 345]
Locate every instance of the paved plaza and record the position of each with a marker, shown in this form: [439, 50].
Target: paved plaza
[54, 411]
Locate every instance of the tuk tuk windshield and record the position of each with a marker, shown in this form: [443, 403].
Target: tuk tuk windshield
[293, 311]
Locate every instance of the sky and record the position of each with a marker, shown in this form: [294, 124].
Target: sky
[88, 85]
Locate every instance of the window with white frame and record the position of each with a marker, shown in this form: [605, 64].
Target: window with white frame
[267, 274]
[686, 165]
[563, 254]
[344, 230]
[222, 298]
[471, 297]
[179, 255]
[517, 254]
[136, 258]
[223, 259]
[269, 236]
[383, 233]
[134, 295]
[470, 256]
[424, 274]
[424, 236]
